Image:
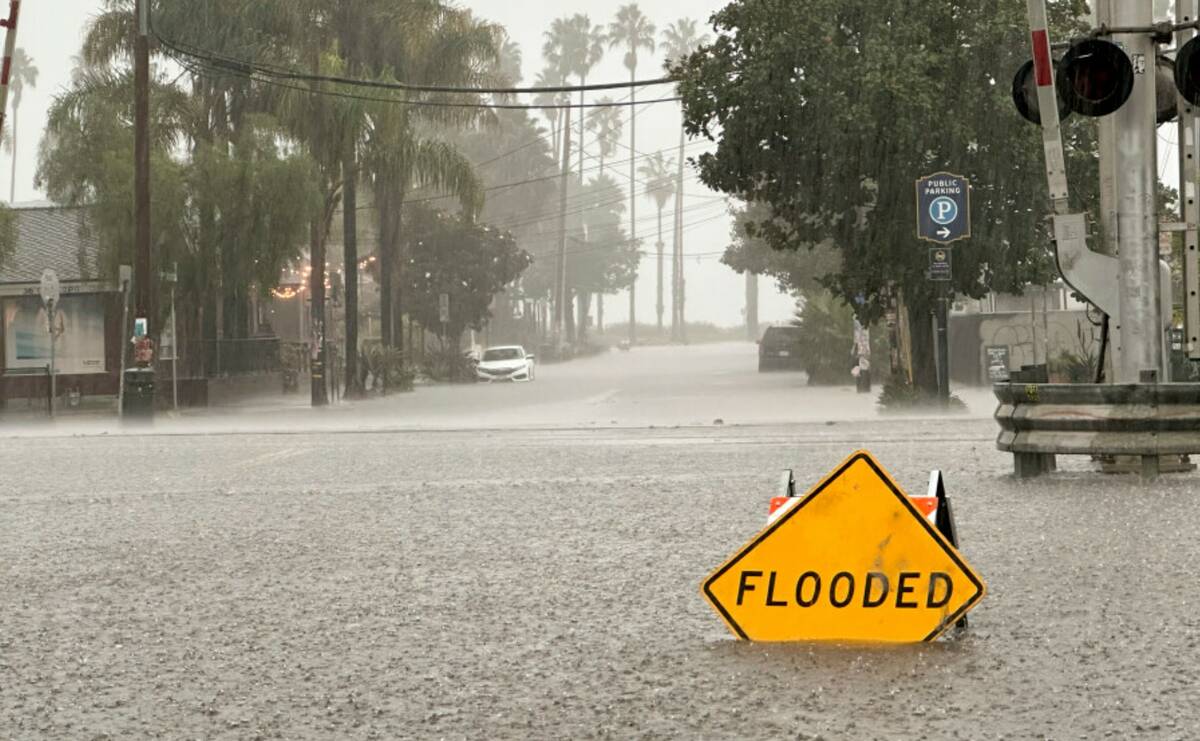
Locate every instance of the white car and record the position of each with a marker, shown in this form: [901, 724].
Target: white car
[508, 363]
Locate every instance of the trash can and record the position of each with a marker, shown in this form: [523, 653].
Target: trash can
[139, 394]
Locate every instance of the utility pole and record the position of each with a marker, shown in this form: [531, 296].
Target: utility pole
[560, 306]
[141, 155]
[678, 329]
[633, 211]
[1139, 338]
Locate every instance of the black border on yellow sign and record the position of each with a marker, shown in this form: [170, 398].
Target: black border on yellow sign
[870, 461]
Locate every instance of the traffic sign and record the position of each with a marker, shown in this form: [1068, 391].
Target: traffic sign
[855, 560]
[941, 266]
[943, 208]
[50, 289]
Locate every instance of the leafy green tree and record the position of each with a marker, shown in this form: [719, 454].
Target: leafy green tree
[802, 272]
[453, 255]
[633, 32]
[603, 259]
[659, 176]
[827, 111]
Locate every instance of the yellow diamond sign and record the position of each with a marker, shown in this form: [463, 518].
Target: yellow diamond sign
[853, 561]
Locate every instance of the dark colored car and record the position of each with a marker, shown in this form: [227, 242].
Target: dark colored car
[779, 349]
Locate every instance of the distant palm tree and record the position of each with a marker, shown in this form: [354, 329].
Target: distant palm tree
[550, 77]
[607, 125]
[659, 176]
[23, 73]
[632, 31]
[680, 39]
[509, 64]
[585, 48]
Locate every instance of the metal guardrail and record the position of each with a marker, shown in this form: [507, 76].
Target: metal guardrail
[1146, 420]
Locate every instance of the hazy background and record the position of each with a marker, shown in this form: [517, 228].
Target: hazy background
[51, 32]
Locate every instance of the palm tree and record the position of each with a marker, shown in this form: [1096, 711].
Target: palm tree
[680, 39]
[632, 31]
[508, 67]
[551, 77]
[23, 73]
[585, 49]
[607, 125]
[660, 187]
[446, 46]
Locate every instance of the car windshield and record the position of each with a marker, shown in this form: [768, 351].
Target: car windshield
[503, 353]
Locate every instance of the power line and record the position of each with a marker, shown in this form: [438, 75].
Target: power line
[212, 69]
[628, 242]
[286, 73]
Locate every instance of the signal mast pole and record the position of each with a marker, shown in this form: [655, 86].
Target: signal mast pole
[1189, 181]
[1140, 332]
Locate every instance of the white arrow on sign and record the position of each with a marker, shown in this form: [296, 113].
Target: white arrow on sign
[944, 232]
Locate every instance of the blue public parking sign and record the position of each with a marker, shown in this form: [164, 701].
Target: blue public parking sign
[943, 208]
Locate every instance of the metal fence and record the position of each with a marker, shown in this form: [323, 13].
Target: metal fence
[212, 358]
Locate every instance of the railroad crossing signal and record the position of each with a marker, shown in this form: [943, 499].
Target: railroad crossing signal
[943, 208]
[1096, 77]
[855, 560]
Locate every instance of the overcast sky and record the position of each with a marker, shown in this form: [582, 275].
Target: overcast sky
[51, 31]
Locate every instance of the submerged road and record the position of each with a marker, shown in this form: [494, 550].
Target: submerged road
[531, 569]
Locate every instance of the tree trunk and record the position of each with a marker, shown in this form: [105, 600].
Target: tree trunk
[398, 263]
[350, 269]
[582, 301]
[12, 197]
[600, 313]
[751, 306]
[569, 316]
[387, 335]
[320, 396]
[924, 364]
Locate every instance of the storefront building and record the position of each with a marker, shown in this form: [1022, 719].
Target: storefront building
[88, 320]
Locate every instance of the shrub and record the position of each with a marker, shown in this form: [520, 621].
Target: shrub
[901, 396]
[449, 364]
[389, 369]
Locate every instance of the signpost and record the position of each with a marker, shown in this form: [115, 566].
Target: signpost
[943, 217]
[854, 560]
[943, 208]
[51, 291]
[941, 264]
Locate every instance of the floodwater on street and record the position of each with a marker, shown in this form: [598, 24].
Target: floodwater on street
[524, 562]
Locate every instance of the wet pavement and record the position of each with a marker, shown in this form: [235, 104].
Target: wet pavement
[354, 579]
